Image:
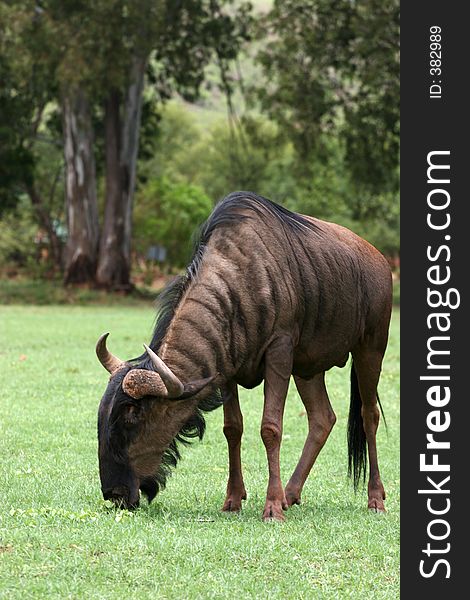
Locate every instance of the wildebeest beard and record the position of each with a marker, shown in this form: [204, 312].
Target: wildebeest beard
[194, 428]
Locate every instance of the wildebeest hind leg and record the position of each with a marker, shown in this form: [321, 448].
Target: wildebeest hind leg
[321, 419]
[233, 430]
[278, 368]
[367, 363]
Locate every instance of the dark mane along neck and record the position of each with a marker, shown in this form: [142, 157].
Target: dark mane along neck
[233, 209]
[166, 304]
[194, 428]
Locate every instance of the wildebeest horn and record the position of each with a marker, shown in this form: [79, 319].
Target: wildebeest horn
[172, 383]
[108, 360]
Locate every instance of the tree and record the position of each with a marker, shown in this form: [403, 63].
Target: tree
[82, 208]
[27, 88]
[332, 70]
[129, 33]
[172, 43]
[115, 44]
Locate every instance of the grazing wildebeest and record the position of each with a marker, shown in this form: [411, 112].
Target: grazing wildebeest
[268, 294]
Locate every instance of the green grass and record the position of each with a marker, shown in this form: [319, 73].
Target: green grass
[58, 539]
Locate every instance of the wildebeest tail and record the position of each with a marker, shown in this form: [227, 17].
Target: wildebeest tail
[357, 448]
[357, 442]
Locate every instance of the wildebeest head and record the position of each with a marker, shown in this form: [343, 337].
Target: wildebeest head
[143, 410]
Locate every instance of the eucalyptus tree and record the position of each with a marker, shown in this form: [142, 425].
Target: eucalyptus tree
[170, 43]
[111, 50]
[57, 39]
[99, 57]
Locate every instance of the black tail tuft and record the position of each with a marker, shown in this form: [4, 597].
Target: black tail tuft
[357, 449]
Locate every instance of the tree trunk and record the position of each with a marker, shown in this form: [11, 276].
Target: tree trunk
[45, 221]
[81, 204]
[122, 143]
[113, 265]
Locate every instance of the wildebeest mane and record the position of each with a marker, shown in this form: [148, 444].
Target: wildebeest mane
[234, 208]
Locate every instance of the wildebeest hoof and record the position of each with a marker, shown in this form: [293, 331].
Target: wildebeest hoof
[233, 502]
[232, 505]
[292, 497]
[291, 500]
[273, 511]
[376, 505]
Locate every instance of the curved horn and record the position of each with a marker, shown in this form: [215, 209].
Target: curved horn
[172, 383]
[108, 360]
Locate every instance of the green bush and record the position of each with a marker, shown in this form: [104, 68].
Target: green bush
[21, 242]
[166, 214]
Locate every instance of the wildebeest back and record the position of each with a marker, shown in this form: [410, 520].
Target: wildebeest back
[260, 271]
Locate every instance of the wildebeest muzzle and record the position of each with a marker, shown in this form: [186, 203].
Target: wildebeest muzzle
[122, 497]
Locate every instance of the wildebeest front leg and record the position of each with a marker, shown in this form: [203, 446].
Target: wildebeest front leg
[278, 360]
[233, 430]
[321, 419]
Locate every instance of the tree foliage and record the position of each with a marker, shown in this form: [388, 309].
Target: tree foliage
[332, 69]
[166, 215]
[215, 159]
[16, 158]
[25, 89]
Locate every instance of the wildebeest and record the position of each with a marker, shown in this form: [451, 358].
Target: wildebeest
[268, 294]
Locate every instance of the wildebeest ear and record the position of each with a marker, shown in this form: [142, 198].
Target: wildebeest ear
[193, 387]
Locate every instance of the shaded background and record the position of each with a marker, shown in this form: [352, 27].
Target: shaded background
[122, 123]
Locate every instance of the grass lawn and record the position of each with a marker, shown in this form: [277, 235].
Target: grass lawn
[58, 539]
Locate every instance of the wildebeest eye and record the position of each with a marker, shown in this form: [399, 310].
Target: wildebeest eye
[131, 414]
